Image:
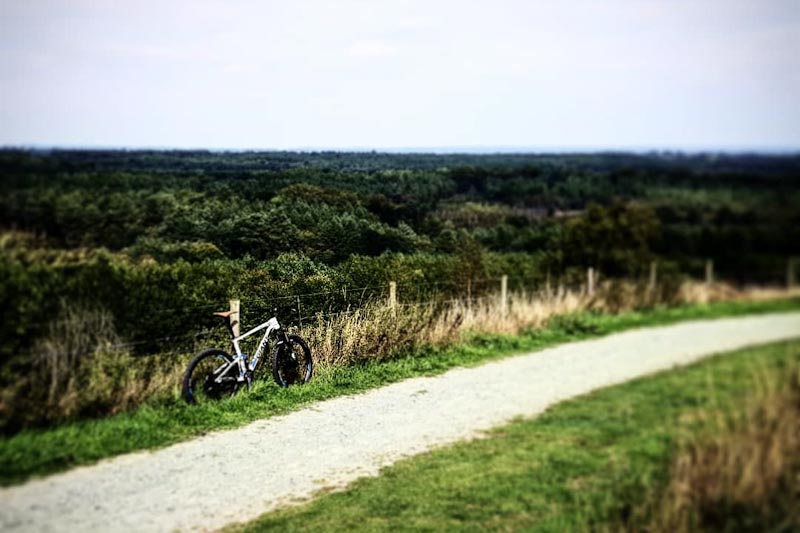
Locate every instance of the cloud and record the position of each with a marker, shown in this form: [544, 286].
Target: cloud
[371, 49]
[147, 51]
[336, 73]
[239, 68]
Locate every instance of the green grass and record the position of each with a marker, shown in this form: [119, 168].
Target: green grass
[581, 466]
[43, 451]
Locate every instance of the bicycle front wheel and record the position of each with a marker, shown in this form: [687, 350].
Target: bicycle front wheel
[292, 364]
[211, 375]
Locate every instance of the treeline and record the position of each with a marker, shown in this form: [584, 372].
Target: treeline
[196, 205]
[193, 161]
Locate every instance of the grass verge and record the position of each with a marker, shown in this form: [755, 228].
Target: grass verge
[597, 463]
[43, 451]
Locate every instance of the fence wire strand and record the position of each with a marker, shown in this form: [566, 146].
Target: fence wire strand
[377, 292]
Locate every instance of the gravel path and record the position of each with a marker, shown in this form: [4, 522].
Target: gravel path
[237, 475]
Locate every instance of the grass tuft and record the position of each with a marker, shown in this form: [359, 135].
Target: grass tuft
[739, 469]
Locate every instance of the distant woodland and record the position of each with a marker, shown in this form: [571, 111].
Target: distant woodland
[182, 231]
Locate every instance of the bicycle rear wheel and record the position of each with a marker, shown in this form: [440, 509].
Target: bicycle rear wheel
[210, 376]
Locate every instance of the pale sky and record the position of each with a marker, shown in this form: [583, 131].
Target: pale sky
[687, 74]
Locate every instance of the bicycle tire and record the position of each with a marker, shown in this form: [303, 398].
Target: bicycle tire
[298, 369]
[197, 371]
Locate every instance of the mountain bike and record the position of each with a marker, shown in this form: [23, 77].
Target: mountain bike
[214, 374]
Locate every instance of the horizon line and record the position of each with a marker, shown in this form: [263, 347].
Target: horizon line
[434, 150]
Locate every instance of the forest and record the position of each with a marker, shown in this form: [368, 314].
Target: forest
[159, 238]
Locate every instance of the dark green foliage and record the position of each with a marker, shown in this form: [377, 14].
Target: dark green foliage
[616, 239]
[331, 205]
[160, 239]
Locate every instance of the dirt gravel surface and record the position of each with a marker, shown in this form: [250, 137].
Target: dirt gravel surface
[236, 475]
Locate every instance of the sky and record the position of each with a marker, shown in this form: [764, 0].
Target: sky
[422, 74]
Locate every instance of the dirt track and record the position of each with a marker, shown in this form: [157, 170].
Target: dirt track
[236, 475]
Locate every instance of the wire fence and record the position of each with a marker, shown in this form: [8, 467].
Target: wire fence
[311, 307]
[414, 294]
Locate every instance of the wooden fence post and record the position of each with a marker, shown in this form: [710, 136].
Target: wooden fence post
[790, 275]
[235, 316]
[651, 284]
[547, 288]
[590, 281]
[504, 294]
[393, 296]
[709, 271]
[300, 311]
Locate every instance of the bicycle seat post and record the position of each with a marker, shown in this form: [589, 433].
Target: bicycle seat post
[228, 322]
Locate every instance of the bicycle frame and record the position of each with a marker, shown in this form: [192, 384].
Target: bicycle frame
[271, 326]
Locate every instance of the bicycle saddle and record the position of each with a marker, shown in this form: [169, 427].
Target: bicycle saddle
[224, 314]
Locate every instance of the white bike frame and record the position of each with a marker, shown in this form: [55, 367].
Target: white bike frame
[270, 325]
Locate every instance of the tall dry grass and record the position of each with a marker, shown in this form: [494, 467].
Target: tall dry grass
[82, 367]
[374, 332]
[741, 474]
